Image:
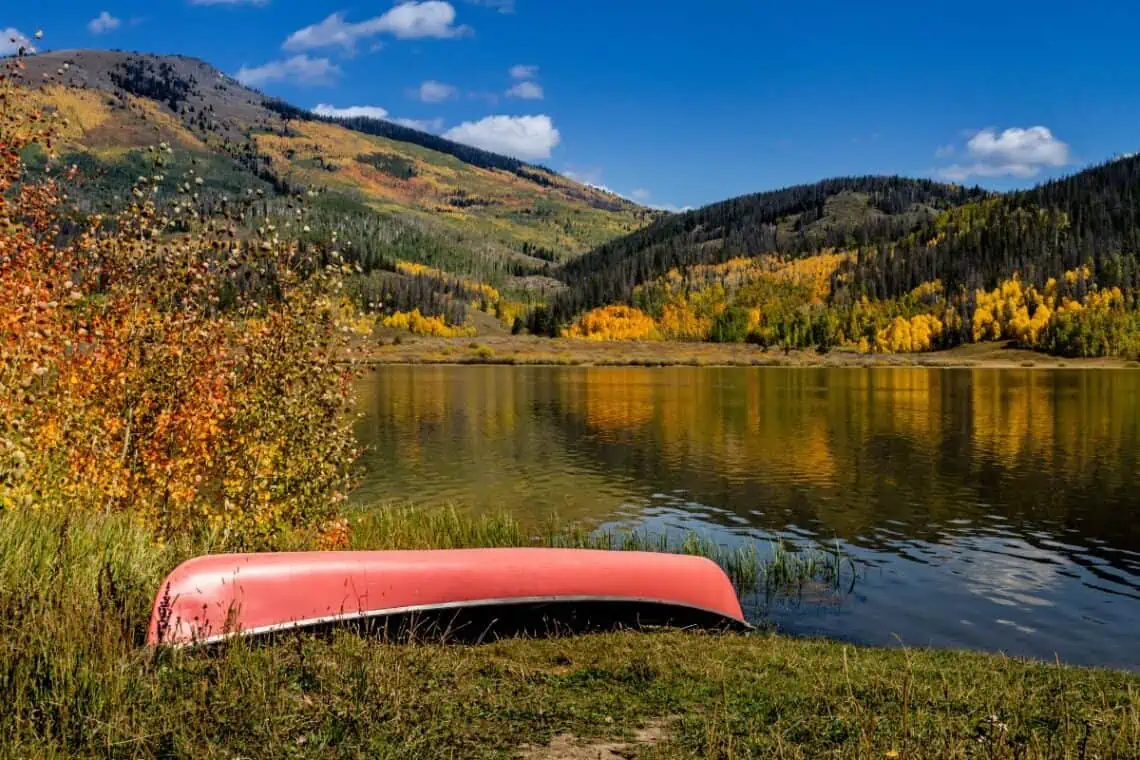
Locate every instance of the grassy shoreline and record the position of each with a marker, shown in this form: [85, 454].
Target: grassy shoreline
[535, 351]
[75, 595]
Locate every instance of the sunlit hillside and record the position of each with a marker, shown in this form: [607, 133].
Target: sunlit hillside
[119, 104]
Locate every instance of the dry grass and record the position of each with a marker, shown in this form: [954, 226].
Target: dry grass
[530, 350]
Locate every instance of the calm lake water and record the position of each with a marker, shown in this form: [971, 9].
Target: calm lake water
[985, 509]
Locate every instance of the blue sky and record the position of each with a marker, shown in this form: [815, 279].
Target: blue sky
[679, 103]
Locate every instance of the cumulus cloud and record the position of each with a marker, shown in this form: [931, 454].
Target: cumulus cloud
[12, 39]
[432, 91]
[350, 112]
[526, 91]
[376, 112]
[525, 87]
[104, 22]
[640, 194]
[1016, 152]
[300, 69]
[408, 21]
[525, 137]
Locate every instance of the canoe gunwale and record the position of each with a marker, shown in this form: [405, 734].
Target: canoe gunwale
[348, 617]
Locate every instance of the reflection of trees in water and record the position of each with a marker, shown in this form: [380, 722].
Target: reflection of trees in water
[855, 453]
[846, 452]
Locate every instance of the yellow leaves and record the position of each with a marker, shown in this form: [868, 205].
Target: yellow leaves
[413, 269]
[1074, 275]
[919, 333]
[417, 323]
[1016, 312]
[613, 323]
[679, 321]
[985, 325]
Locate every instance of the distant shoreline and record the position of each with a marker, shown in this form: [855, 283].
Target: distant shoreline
[534, 351]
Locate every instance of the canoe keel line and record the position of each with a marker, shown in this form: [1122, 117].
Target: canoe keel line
[467, 593]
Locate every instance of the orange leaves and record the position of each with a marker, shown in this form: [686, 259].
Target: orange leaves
[613, 323]
[128, 383]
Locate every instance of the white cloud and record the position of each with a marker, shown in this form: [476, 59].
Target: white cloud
[432, 91]
[526, 91]
[104, 22]
[522, 71]
[300, 69]
[502, 6]
[1016, 152]
[526, 137]
[12, 39]
[410, 20]
[230, 2]
[351, 112]
[640, 194]
[376, 112]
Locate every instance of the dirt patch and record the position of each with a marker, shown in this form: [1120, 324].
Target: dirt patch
[568, 747]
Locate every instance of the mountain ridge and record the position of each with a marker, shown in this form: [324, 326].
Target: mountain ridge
[512, 210]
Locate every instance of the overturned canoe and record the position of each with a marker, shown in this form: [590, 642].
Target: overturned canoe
[214, 597]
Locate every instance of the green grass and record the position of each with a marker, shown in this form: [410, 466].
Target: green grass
[76, 682]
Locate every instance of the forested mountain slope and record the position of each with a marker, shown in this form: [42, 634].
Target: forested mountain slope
[886, 264]
[835, 213]
[1089, 218]
[489, 216]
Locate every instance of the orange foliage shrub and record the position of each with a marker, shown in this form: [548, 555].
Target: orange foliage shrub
[919, 333]
[613, 323]
[188, 379]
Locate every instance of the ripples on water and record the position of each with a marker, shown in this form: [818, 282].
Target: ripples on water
[988, 509]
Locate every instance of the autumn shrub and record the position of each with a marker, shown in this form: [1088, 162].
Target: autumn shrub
[613, 323]
[415, 322]
[154, 363]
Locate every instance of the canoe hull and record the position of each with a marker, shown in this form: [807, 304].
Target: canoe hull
[211, 598]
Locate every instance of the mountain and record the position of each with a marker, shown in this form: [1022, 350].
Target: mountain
[470, 211]
[883, 264]
[834, 213]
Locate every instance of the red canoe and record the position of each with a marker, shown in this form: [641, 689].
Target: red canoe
[214, 597]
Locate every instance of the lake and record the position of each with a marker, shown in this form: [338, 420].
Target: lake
[984, 509]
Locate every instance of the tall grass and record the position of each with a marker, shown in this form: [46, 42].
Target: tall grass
[777, 570]
[75, 595]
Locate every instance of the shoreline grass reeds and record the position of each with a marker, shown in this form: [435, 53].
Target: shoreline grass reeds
[779, 569]
[75, 595]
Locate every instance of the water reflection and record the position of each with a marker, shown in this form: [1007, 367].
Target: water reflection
[990, 507]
